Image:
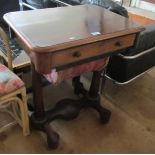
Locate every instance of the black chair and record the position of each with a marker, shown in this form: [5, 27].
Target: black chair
[108, 4]
[133, 62]
[40, 4]
[7, 6]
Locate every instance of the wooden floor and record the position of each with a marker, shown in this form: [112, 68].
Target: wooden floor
[130, 130]
[140, 19]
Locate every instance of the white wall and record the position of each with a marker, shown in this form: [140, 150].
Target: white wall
[143, 5]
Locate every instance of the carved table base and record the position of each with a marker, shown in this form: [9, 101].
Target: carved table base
[66, 109]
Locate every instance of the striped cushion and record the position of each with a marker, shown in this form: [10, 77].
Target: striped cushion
[9, 81]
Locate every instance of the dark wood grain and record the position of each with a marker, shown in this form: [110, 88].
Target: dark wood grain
[59, 28]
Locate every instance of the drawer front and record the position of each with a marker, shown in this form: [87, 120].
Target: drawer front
[90, 50]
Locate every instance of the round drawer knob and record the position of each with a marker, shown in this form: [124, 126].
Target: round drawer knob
[76, 54]
[118, 44]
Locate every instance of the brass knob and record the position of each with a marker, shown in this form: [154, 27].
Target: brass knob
[76, 54]
[118, 44]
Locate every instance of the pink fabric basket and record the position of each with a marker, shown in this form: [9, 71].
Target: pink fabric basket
[56, 77]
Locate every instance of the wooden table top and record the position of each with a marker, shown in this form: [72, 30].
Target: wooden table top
[49, 30]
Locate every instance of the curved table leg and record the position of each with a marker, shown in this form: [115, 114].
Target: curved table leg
[52, 136]
[44, 126]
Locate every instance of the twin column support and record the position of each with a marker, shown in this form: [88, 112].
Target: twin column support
[66, 109]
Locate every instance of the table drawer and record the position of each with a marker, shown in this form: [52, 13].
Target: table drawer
[90, 50]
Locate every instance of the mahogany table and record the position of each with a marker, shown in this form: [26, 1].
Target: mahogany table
[64, 37]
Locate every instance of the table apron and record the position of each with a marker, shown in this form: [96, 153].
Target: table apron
[45, 61]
